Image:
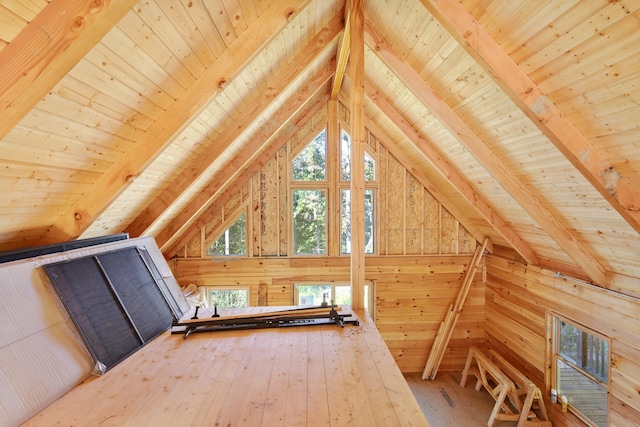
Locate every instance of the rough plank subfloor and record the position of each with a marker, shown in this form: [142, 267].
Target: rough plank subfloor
[445, 403]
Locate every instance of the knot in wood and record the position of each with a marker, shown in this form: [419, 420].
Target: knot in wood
[96, 6]
[77, 24]
[289, 13]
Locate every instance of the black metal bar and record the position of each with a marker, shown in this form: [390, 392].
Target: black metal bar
[115, 294]
[252, 320]
[189, 329]
[157, 278]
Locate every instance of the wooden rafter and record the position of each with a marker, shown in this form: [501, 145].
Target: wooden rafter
[47, 48]
[592, 162]
[83, 211]
[442, 164]
[413, 165]
[154, 212]
[485, 156]
[343, 56]
[240, 171]
[448, 171]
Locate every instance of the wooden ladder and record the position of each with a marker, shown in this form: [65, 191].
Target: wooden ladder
[445, 331]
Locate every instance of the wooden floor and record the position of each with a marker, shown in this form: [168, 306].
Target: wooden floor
[294, 376]
[445, 403]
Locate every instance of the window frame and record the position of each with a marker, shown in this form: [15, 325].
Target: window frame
[554, 357]
[312, 187]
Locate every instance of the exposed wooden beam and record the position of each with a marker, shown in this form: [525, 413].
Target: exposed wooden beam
[442, 165]
[240, 170]
[592, 162]
[278, 83]
[343, 57]
[83, 211]
[411, 163]
[357, 114]
[47, 48]
[485, 156]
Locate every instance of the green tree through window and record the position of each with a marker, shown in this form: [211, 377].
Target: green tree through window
[345, 160]
[345, 221]
[234, 239]
[309, 222]
[311, 163]
[228, 297]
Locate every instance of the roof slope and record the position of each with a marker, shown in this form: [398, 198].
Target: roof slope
[125, 116]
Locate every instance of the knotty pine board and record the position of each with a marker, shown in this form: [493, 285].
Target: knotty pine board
[411, 292]
[299, 375]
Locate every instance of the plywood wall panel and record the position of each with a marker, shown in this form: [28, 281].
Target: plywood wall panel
[383, 203]
[194, 248]
[449, 235]
[283, 202]
[415, 215]
[255, 242]
[431, 238]
[269, 210]
[395, 225]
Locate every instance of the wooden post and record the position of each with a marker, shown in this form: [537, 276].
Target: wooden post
[356, 75]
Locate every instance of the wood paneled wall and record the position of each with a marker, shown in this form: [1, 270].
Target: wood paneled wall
[517, 301]
[412, 295]
[422, 251]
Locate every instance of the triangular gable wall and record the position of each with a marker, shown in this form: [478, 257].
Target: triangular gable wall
[408, 222]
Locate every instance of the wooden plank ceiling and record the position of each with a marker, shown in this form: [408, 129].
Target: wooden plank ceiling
[136, 116]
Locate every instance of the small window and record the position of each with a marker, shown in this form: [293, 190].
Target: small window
[233, 241]
[581, 366]
[311, 163]
[314, 294]
[227, 296]
[345, 221]
[309, 222]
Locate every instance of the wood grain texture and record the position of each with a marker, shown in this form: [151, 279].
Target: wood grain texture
[318, 375]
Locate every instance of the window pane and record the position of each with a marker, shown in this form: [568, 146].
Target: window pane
[597, 358]
[310, 164]
[345, 221]
[369, 168]
[345, 157]
[343, 295]
[233, 240]
[228, 297]
[569, 341]
[368, 221]
[345, 161]
[585, 351]
[314, 294]
[585, 395]
[309, 222]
